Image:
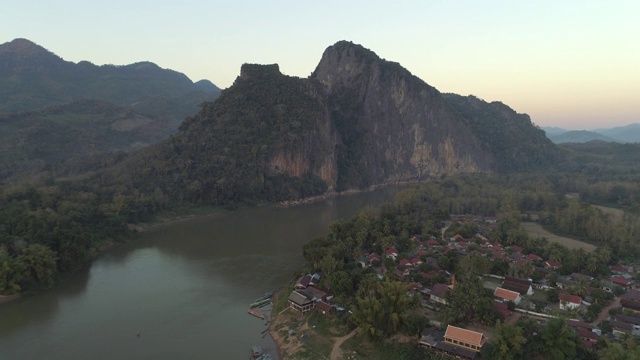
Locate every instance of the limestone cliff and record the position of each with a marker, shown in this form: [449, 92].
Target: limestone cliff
[393, 126]
[356, 121]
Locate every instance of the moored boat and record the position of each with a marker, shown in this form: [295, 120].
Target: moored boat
[260, 303]
[256, 313]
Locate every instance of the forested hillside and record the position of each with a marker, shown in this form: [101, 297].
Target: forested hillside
[512, 139]
[52, 110]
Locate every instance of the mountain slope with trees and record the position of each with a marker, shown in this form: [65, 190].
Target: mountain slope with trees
[513, 140]
[51, 109]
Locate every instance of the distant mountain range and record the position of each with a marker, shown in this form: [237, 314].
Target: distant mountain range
[621, 134]
[52, 109]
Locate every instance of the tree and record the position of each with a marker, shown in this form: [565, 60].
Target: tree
[385, 310]
[340, 283]
[471, 266]
[10, 274]
[466, 301]
[39, 263]
[556, 340]
[580, 288]
[507, 343]
[628, 350]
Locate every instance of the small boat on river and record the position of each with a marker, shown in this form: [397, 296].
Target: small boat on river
[266, 295]
[260, 303]
[256, 314]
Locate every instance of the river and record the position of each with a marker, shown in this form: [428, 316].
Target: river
[179, 292]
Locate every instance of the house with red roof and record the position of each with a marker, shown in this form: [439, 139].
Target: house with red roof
[522, 286]
[438, 293]
[497, 255]
[497, 246]
[569, 301]
[589, 338]
[425, 275]
[415, 261]
[468, 339]
[374, 257]
[621, 281]
[620, 269]
[324, 307]
[632, 294]
[392, 253]
[551, 264]
[629, 304]
[415, 286]
[501, 309]
[405, 262]
[433, 243]
[505, 295]
[533, 257]
[516, 248]
[303, 282]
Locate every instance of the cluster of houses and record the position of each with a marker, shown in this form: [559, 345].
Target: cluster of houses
[306, 296]
[463, 343]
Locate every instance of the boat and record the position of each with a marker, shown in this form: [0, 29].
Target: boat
[260, 303]
[266, 295]
[256, 314]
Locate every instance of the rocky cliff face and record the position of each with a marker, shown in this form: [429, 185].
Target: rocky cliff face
[393, 126]
[356, 121]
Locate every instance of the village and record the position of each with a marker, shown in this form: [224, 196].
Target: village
[523, 284]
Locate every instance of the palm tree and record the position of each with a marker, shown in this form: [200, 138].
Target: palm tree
[528, 269]
[507, 342]
[558, 342]
[581, 288]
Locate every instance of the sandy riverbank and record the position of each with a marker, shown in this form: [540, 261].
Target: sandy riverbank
[286, 345]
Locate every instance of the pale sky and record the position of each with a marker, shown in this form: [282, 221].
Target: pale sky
[572, 64]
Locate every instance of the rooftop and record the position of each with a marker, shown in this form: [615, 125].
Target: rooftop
[465, 336]
[506, 294]
[568, 298]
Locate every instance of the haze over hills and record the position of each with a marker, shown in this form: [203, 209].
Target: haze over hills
[620, 134]
[39, 90]
[356, 121]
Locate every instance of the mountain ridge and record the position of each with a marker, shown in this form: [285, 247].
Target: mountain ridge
[34, 82]
[356, 121]
[33, 77]
[620, 134]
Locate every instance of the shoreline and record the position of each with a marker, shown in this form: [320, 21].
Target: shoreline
[7, 298]
[330, 194]
[192, 215]
[200, 213]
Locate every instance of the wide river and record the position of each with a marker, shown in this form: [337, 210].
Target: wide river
[181, 291]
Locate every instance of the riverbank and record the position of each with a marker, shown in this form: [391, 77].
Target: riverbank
[189, 214]
[331, 194]
[7, 298]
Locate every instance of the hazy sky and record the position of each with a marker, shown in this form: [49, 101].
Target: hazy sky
[573, 64]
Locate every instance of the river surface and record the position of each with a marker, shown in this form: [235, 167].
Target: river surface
[181, 291]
